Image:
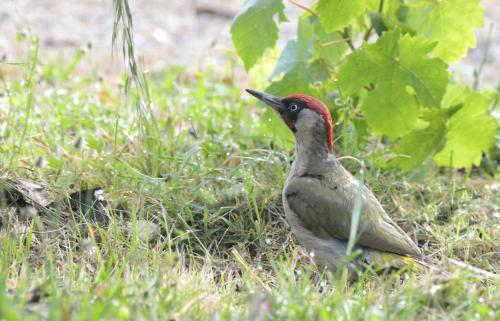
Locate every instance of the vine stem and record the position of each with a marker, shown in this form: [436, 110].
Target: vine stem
[368, 32]
[347, 38]
[333, 42]
[344, 34]
[303, 7]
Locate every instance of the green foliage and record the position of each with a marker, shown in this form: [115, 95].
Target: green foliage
[224, 250]
[294, 62]
[254, 30]
[450, 23]
[391, 65]
[336, 14]
[469, 131]
[455, 135]
[412, 152]
[397, 76]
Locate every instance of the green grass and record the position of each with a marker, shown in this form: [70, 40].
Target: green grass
[210, 176]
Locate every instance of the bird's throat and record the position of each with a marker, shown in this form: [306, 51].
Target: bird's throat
[311, 150]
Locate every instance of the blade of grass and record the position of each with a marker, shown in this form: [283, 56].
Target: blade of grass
[30, 94]
[148, 128]
[356, 210]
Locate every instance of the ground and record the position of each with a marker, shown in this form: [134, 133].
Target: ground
[187, 32]
[183, 218]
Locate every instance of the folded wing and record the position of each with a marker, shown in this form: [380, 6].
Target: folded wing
[325, 208]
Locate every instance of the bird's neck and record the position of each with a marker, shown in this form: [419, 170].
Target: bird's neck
[311, 150]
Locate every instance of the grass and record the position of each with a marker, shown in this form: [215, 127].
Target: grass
[211, 181]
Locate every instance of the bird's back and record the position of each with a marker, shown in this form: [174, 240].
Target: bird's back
[322, 198]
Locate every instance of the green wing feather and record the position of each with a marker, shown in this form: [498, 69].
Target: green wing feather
[325, 207]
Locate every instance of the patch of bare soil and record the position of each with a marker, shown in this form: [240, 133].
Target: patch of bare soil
[177, 31]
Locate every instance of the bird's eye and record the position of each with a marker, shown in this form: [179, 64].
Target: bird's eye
[293, 107]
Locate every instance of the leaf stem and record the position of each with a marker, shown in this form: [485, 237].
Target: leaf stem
[368, 32]
[303, 7]
[345, 33]
[347, 38]
[380, 6]
[477, 71]
[333, 42]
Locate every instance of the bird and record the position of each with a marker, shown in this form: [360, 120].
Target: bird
[319, 196]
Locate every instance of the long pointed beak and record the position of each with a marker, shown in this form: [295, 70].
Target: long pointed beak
[273, 101]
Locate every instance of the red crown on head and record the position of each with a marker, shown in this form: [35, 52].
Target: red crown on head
[319, 107]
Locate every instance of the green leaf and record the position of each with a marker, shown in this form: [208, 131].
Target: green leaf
[328, 45]
[254, 30]
[377, 21]
[336, 14]
[296, 80]
[297, 51]
[449, 22]
[457, 132]
[294, 62]
[319, 71]
[470, 131]
[421, 144]
[403, 76]
[290, 57]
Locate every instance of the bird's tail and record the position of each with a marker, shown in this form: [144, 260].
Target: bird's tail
[419, 264]
[386, 260]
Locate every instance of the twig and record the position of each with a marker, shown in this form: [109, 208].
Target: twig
[380, 6]
[303, 7]
[474, 269]
[477, 72]
[495, 100]
[345, 34]
[369, 31]
[347, 38]
[333, 42]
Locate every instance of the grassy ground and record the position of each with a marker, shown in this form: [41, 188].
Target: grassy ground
[207, 171]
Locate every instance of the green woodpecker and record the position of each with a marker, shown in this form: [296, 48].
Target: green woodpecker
[319, 196]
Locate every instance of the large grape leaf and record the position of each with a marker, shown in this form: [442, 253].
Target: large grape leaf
[403, 76]
[296, 80]
[254, 30]
[470, 131]
[328, 45]
[454, 135]
[297, 51]
[290, 57]
[422, 143]
[293, 67]
[449, 22]
[336, 14]
[294, 62]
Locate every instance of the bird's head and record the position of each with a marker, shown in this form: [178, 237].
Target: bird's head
[301, 113]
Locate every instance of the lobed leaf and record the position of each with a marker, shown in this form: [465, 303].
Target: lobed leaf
[254, 29]
[449, 22]
[470, 131]
[328, 45]
[421, 144]
[294, 62]
[297, 51]
[404, 77]
[455, 134]
[307, 59]
[337, 14]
